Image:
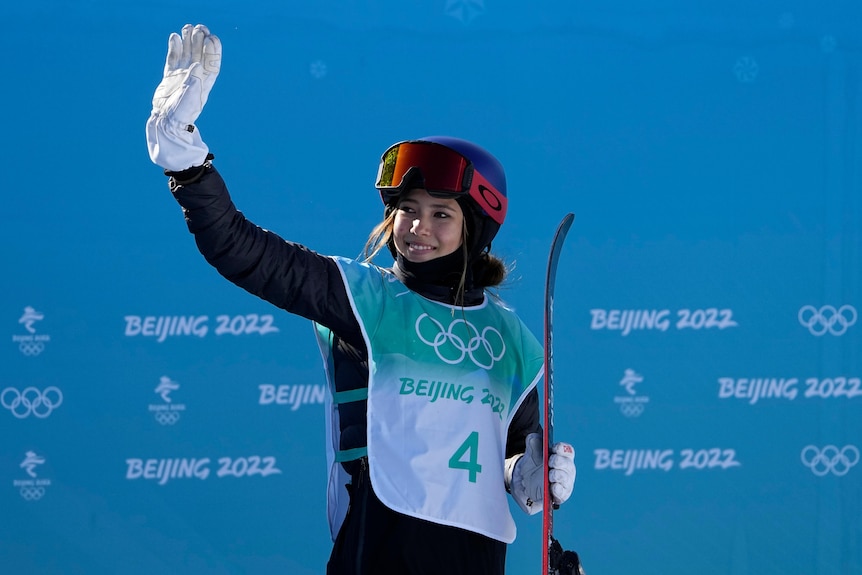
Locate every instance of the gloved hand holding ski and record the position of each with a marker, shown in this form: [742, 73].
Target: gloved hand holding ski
[192, 65]
[526, 480]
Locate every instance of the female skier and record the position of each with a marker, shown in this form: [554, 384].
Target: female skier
[433, 409]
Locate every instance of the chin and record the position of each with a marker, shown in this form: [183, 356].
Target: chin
[421, 257]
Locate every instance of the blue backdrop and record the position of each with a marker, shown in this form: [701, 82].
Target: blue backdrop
[156, 419]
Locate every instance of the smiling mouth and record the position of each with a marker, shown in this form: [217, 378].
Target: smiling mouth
[420, 247]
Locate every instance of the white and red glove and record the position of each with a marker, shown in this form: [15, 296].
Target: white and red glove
[191, 68]
[525, 479]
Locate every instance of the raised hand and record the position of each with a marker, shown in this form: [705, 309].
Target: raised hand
[191, 68]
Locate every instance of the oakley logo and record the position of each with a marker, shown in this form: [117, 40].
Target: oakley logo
[830, 459]
[461, 339]
[492, 200]
[486, 195]
[31, 401]
[827, 319]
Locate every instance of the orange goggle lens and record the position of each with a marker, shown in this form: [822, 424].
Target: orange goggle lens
[443, 170]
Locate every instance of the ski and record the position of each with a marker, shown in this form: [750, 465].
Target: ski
[548, 419]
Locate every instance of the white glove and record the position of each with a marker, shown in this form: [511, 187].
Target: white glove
[191, 68]
[524, 477]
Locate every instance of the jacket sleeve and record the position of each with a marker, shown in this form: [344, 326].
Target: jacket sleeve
[286, 274]
[524, 422]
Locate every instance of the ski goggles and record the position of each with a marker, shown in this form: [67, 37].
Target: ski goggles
[445, 173]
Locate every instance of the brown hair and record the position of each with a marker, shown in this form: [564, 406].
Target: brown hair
[380, 236]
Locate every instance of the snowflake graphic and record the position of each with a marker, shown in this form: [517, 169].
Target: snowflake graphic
[746, 69]
[464, 10]
[786, 21]
[828, 44]
[318, 69]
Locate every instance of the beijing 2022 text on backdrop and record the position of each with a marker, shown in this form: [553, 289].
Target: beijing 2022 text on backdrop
[157, 419]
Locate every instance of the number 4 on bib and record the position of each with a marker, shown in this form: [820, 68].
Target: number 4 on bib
[467, 457]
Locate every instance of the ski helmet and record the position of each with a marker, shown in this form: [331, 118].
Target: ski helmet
[454, 168]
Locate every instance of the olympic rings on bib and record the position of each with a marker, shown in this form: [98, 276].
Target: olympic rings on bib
[452, 347]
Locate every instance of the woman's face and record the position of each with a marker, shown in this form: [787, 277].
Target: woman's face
[426, 227]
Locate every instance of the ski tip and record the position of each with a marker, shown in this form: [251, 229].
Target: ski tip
[564, 226]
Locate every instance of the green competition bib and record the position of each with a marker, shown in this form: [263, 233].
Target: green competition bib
[444, 383]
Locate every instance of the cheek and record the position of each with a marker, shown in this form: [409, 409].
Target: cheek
[401, 225]
[450, 239]
[455, 232]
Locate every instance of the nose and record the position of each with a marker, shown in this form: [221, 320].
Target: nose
[418, 228]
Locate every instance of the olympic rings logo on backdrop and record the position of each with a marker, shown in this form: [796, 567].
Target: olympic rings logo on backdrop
[827, 319]
[32, 493]
[31, 348]
[31, 401]
[830, 459]
[452, 348]
[631, 409]
[167, 417]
